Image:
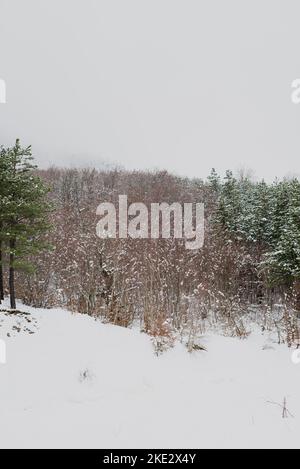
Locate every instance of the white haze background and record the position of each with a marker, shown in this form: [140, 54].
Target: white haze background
[183, 85]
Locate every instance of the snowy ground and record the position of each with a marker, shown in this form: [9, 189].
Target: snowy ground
[70, 381]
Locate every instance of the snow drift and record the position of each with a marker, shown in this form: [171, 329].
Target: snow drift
[71, 381]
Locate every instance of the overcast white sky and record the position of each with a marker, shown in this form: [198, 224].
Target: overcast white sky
[177, 84]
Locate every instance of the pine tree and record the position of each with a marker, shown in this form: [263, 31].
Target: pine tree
[24, 218]
[211, 197]
[214, 181]
[229, 205]
[284, 259]
[259, 215]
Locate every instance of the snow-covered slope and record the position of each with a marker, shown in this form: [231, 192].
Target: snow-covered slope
[70, 381]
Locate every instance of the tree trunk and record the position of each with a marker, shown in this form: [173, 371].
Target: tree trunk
[296, 294]
[1, 269]
[1, 276]
[12, 245]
